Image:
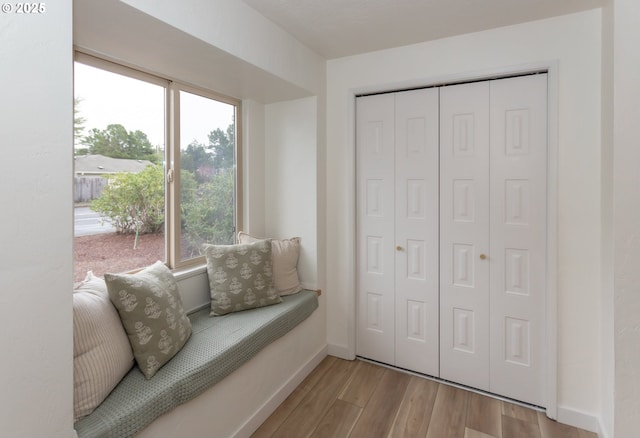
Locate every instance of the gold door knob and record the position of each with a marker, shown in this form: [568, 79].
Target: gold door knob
[399, 248]
[483, 256]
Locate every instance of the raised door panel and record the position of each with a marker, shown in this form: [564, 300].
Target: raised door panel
[375, 151]
[464, 225]
[518, 237]
[416, 219]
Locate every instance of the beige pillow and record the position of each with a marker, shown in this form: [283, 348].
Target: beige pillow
[285, 254]
[151, 311]
[102, 355]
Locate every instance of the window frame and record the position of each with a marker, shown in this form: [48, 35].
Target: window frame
[172, 224]
[172, 150]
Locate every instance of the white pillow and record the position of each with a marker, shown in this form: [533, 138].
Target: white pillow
[102, 355]
[284, 254]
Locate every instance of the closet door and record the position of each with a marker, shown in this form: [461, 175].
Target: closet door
[375, 162]
[397, 191]
[493, 141]
[451, 233]
[416, 231]
[518, 237]
[464, 234]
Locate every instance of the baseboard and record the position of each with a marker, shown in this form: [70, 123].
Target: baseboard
[602, 433]
[268, 407]
[340, 352]
[579, 419]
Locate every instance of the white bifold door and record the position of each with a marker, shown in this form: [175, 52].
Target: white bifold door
[452, 232]
[397, 191]
[493, 192]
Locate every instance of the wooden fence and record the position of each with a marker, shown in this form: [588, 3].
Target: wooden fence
[88, 188]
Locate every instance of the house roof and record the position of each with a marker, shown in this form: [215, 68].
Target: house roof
[99, 164]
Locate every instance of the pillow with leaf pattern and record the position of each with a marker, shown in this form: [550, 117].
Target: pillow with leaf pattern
[151, 312]
[240, 276]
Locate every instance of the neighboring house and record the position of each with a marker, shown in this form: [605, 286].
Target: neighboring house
[91, 172]
[99, 165]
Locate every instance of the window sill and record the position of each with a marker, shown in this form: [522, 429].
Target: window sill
[190, 271]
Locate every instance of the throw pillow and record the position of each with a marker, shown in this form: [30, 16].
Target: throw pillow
[240, 277]
[285, 254]
[102, 355]
[151, 311]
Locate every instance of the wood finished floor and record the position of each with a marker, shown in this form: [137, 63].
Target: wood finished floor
[358, 399]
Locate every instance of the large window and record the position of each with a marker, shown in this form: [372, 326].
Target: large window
[156, 169]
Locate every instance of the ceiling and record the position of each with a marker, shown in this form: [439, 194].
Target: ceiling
[337, 28]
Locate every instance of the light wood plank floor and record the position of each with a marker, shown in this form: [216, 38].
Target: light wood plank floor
[352, 399]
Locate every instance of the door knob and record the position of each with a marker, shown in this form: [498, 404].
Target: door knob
[399, 248]
[483, 256]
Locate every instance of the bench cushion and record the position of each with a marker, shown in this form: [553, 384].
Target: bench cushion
[216, 348]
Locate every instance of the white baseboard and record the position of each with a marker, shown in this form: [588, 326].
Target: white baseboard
[268, 407]
[602, 433]
[340, 352]
[579, 419]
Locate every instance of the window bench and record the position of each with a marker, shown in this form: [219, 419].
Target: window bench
[217, 347]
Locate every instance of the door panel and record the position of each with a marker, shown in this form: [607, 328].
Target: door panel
[416, 224]
[518, 237]
[375, 152]
[463, 330]
[464, 225]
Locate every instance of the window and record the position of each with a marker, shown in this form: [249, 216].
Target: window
[155, 169]
[207, 172]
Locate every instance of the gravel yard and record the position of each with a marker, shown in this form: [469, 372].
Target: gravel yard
[113, 252]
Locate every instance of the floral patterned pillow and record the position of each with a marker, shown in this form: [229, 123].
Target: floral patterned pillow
[151, 312]
[240, 277]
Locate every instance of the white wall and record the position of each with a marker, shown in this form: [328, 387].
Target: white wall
[36, 261]
[291, 179]
[626, 216]
[607, 310]
[236, 28]
[574, 42]
[253, 172]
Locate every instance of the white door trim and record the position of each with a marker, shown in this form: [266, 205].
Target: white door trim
[552, 205]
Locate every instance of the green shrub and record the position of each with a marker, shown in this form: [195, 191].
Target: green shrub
[208, 212]
[134, 202]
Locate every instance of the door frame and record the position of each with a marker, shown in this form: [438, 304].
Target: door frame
[551, 326]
